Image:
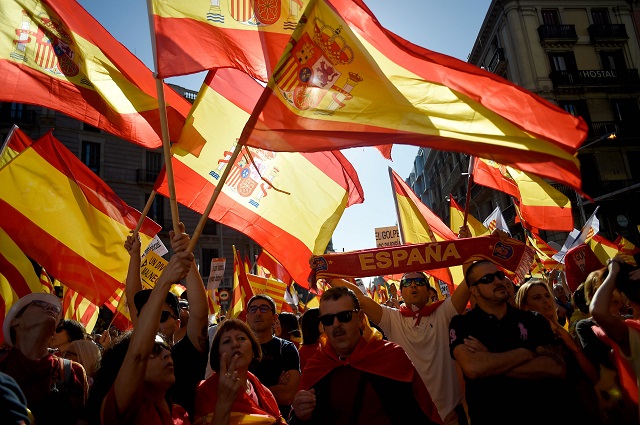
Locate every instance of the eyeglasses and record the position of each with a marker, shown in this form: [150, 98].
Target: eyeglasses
[164, 316]
[489, 278]
[419, 281]
[343, 317]
[158, 346]
[263, 309]
[43, 305]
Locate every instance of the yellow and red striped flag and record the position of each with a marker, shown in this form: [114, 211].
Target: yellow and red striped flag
[242, 291]
[17, 276]
[77, 307]
[56, 55]
[208, 34]
[291, 226]
[456, 218]
[418, 224]
[15, 142]
[346, 81]
[541, 205]
[272, 287]
[46, 282]
[66, 219]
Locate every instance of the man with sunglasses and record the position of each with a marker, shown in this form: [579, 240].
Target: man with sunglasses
[51, 397]
[279, 369]
[421, 327]
[354, 380]
[506, 351]
[189, 353]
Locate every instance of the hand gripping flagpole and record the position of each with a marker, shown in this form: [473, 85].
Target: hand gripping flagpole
[468, 198]
[166, 143]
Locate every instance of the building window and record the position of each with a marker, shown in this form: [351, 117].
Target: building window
[600, 16]
[17, 110]
[562, 61]
[613, 59]
[153, 163]
[577, 108]
[156, 212]
[550, 17]
[207, 255]
[625, 110]
[89, 127]
[91, 156]
[612, 166]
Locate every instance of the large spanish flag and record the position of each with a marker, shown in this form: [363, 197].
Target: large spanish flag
[197, 35]
[418, 224]
[541, 205]
[346, 81]
[55, 54]
[66, 219]
[290, 204]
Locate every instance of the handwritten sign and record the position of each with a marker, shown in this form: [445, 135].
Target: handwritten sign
[387, 236]
[151, 268]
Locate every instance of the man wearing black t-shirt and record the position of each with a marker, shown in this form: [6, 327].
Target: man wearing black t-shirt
[279, 369]
[508, 356]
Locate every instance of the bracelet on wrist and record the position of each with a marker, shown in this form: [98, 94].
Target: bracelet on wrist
[611, 260]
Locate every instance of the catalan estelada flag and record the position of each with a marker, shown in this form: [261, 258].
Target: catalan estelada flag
[418, 224]
[55, 54]
[62, 216]
[197, 35]
[289, 203]
[242, 290]
[456, 218]
[346, 81]
[541, 205]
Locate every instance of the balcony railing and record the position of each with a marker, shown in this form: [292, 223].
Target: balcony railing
[557, 34]
[595, 78]
[609, 33]
[497, 62]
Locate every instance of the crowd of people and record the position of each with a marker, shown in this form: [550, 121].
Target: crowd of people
[493, 352]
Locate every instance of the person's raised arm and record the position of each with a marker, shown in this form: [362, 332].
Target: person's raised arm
[132, 373]
[369, 306]
[612, 325]
[198, 307]
[133, 284]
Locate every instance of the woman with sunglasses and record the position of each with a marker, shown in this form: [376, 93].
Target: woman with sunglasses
[232, 394]
[140, 360]
[66, 332]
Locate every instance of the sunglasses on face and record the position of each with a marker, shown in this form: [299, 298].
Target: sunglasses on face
[490, 277]
[343, 317]
[263, 309]
[43, 305]
[164, 316]
[158, 346]
[419, 281]
[59, 329]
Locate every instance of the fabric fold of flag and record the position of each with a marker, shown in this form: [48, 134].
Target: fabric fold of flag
[66, 219]
[541, 205]
[346, 81]
[242, 291]
[198, 35]
[313, 189]
[456, 218]
[58, 56]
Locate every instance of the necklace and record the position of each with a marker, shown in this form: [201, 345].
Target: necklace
[248, 390]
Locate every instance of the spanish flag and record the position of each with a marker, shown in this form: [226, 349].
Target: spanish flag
[456, 218]
[197, 35]
[56, 55]
[15, 142]
[289, 203]
[346, 81]
[65, 218]
[541, 205]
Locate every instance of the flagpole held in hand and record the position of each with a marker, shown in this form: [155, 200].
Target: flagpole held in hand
[469, 182]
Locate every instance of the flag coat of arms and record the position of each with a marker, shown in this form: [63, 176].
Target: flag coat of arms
[61, 215]
[345, 81]
[55, 54]
[198, 35]
[289, 203]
